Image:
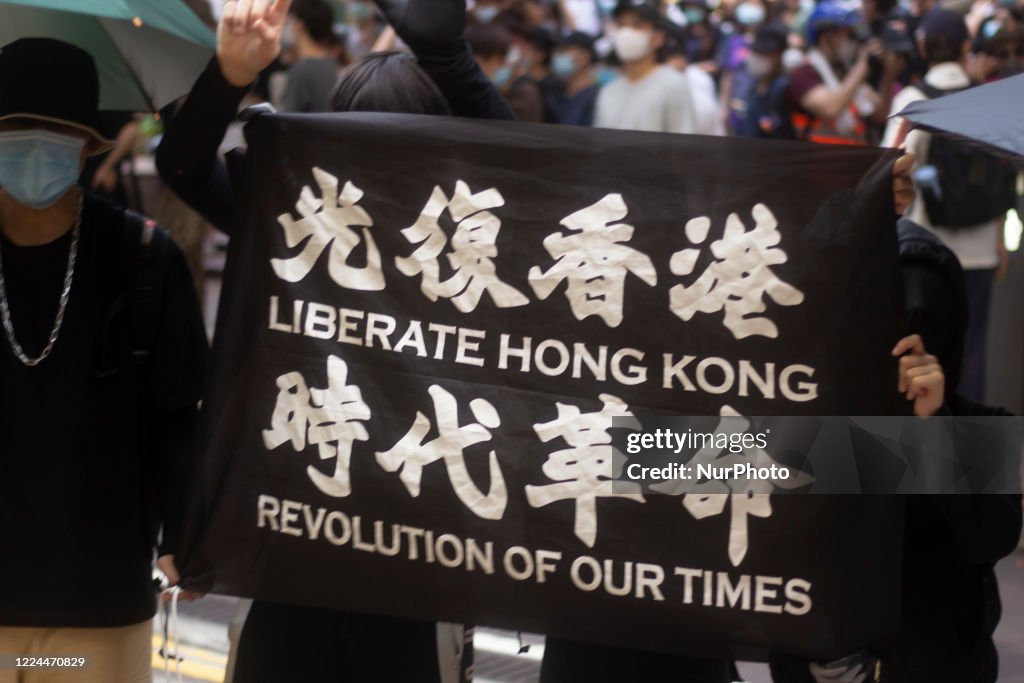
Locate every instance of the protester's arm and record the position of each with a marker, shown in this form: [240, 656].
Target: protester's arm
[892, 65]
[433, 31]
[188, 157]
[828, 104]
[386, 41]
[105, 177]
[174, 385]
[248, 40]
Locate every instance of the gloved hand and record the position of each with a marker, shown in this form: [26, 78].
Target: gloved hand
[431, 28]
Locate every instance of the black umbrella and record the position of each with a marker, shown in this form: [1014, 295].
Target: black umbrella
[991, 116]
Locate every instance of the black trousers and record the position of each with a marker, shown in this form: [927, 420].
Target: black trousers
[571, 662]
[282, 643]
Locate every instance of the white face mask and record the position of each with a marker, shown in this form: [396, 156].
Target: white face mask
[631, 44]
[759, 66]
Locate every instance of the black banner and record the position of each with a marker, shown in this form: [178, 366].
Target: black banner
[428, 326]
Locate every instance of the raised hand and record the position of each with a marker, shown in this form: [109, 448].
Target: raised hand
[249, 37]
[428, 27]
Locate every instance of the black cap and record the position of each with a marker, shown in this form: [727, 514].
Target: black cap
[645, 9]
[771, 38]
[945, 23]
[581, 40]
[994, 33]
[50, 80]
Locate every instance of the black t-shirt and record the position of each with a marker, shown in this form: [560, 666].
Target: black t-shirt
[96, 449]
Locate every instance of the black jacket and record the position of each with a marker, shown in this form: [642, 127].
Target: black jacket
[950, 596]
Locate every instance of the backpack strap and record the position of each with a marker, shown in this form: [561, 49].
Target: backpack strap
[150, 263]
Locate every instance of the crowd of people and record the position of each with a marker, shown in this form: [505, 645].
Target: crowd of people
[831, 72]
[103, 334]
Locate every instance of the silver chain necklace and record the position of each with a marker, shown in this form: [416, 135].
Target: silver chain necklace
[5, 309]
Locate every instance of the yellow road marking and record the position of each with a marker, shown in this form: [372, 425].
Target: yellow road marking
[197, 662]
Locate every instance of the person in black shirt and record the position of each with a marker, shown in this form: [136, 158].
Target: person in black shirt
[287, 642]
[102, 355]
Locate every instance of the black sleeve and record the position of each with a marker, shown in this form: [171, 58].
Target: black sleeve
[176, 376]
[928, 298]
[987, 528]
[188, 159]
[469, 92]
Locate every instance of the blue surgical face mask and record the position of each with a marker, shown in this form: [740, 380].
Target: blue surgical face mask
[37, 167]
[694, 15]
[563, 66]
[749, 14]
[485, 14]
[502, 76]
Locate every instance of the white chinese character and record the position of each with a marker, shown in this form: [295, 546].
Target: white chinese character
[412, 453]
[594, 261]
[739, 277]
[585, 470]
[330, 222]
[473, 248]
[330, 419]
[750, 498]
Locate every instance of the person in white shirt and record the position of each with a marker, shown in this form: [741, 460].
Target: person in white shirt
[980, 248]
[650, 96]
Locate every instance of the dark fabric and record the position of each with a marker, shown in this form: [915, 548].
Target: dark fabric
[766, 113]
[567, 661]
[950, 596]
[309, 84]
[979, 297]
[526, 99]
[935, 296]
[83, 450]
[49, 78]
[802, 80]
[841, 252]
[188, 158]
[577, 109]
[289, 643]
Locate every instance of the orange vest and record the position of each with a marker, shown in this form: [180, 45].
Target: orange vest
[825, 131]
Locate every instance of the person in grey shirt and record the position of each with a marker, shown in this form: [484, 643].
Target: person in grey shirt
[315, 71]
[649, 96]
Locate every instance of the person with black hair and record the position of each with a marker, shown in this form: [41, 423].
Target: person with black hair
[977, 240]
[573, 65]
[950, 596]
[309, 34]
[102, 351]
[650, 96]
